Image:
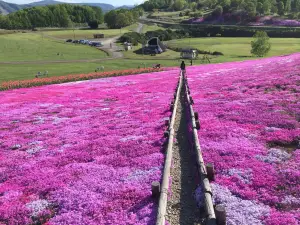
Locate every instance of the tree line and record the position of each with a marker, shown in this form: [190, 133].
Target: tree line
[250, 7]
[122, 17]
[62, 15]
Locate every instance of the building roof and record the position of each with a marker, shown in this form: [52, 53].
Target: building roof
[188, 50]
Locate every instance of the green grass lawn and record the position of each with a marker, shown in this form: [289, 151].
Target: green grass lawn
[35, 47]
[151, 27]
[236, 49]
[88, 34]
[28, 71]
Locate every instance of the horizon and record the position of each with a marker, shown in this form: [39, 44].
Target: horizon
[110, 2]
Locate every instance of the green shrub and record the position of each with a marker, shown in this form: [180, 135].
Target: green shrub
[260, 45]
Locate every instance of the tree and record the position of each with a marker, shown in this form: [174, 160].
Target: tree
[280, 8]
[274, 9]
[179, 5]
[193, 6]
[93, 24]
[250, 7]
[218, 11]
[121, 20]
[266, 7]
[297, 5]
[260, 8]
[287, 7]
[260, 45]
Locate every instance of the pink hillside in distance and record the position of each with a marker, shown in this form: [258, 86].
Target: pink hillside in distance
[249, 114]
[83, 153]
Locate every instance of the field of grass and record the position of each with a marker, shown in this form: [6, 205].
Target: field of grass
[236, 49]
[28, 71]
[88, 34]
[152, 27]
[35, 47]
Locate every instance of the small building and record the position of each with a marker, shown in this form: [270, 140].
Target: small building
[155, 46]
[189, 53]
[127, 46]
[98, 36]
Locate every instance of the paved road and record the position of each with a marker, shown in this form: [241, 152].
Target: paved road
[139, 29]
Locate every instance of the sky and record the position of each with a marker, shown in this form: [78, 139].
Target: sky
[112, 2]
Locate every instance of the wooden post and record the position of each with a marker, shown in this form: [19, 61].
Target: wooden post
[167, 122]
[155, 188]
[197, 125]
[191, 100]
[210, 171]
[196, 115]
[221, 215]
[172, 107]
[166, 134]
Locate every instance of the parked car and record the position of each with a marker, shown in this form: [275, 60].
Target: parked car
[69, 40]
[75, 41]
[96, 44]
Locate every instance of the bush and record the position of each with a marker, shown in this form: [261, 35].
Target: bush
[217, 53]
[93, 24]
[133, 37]
[260, 45]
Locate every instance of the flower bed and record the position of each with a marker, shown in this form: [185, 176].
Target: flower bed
[83, 152]
[69, 78]
[249, 115]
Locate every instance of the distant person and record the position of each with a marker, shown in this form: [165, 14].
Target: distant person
[110, 45]
[191, 62]
[182, 66]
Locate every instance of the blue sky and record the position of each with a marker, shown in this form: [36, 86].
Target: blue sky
[112, 2]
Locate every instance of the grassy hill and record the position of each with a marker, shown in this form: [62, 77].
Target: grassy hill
[6, 8]
[35, 47]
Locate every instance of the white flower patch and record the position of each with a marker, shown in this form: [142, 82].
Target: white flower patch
[105, 109]
[291, 200]
[62, 149]
[45, 104]
[274, 155]
[239, 211]
[34, 147]
[57, 120]
[39, 120]
[131, 138]
[271, 129]
[140, 174]
[244, 175]
[37, 206]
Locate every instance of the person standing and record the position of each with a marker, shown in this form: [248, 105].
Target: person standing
[182, 66]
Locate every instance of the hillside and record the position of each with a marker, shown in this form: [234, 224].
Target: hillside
[6, 8]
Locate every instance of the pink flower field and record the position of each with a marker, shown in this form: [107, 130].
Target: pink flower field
[83, 152]
[249, 115]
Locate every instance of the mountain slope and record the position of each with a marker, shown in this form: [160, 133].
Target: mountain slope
[6, 8]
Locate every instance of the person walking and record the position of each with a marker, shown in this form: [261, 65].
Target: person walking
[182, 66]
